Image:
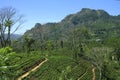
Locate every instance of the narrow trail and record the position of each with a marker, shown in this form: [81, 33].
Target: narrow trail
[81, 76]
[33, 69]
[93, 72]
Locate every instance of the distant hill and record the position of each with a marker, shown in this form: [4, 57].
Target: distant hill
[14, 36]
[102, 25]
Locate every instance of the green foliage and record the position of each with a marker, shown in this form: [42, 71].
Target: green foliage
[5, 50]
[111, 70]
[5, 55]
[115, 43]
[100, 23]
[13, 65]
[28, 41]
[62, 66]
[50, 45]
[8, 23]
[92, 36]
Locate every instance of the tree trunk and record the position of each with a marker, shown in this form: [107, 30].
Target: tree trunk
[8, 39]
[2, 40]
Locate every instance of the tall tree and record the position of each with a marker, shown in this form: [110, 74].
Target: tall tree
[99, 57]
[80, 36]
[28, 42]
[8, 20]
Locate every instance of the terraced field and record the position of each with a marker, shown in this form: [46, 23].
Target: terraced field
[62, 68]
[21, 63]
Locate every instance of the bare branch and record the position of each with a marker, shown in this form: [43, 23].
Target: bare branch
[8, 19]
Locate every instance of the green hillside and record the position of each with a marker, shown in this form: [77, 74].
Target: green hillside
[83, 46]
[99, 22]
[93, 37]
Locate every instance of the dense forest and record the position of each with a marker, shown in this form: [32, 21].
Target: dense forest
[83, 46]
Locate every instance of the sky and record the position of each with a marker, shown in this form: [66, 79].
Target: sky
[44, 11]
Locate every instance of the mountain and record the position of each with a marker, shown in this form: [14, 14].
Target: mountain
[99, 22]
[14, 36]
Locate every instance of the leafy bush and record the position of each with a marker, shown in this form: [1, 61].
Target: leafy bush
[5, 50]
[5, 54]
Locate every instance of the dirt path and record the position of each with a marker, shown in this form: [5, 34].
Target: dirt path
[81, 76]
[27, 73]
[93, 72]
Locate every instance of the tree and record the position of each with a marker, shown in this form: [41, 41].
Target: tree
[61, 43]
[28, 41]
[115, 43]
[80, 36]
[8, 20]
[99, 57]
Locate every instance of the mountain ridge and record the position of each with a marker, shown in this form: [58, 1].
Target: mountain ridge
[90, 18]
